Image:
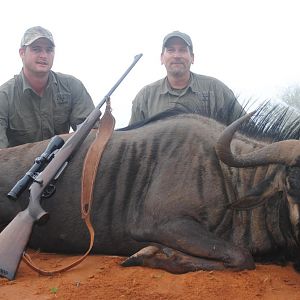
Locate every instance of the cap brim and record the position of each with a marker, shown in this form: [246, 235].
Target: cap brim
[36, 38]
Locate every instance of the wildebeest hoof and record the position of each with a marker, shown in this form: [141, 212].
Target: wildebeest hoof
[241, 260]
[138, 258]
[171, 260]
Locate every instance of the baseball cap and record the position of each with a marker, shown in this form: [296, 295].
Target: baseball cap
[34, 33]
[181, 35]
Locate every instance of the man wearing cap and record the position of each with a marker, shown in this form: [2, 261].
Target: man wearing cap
[184, 89]
[39, 103]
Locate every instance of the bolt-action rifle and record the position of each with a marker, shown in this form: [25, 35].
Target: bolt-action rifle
[15, 236]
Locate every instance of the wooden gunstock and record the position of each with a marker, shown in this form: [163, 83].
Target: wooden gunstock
[13, 240]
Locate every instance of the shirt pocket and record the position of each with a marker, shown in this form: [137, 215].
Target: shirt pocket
[203, 101]
[206, 96]
[62, 111]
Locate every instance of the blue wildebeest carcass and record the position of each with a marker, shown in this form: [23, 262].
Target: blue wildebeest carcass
[164, 197]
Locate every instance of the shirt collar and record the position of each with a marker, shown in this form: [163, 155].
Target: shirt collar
[165, 87]
[26, 85]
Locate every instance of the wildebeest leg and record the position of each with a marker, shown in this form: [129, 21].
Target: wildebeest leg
[191, 238]
[170, 260]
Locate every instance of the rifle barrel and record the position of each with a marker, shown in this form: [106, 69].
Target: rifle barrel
[136, 59]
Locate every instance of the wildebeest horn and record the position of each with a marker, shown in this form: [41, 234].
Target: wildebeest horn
[283, 152]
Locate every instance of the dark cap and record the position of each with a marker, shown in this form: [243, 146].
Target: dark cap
[34, 33]
[181, 35]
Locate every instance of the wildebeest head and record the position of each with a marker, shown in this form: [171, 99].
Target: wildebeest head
[287, 180]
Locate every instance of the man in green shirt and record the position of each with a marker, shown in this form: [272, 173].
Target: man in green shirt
[183, 88]
[39, 103]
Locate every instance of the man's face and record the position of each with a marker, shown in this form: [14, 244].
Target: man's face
[38, 57]
[177, 57]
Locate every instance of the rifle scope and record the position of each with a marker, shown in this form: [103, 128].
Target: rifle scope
[55, 143]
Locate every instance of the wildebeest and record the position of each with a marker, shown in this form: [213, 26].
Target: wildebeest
[163, 197]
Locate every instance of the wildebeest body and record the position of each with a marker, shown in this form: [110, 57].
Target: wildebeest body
[160, 185]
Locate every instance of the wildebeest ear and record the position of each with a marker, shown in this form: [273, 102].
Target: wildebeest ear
[259, 194]
[292, 183]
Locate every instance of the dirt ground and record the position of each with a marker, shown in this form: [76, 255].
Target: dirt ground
[101, 277]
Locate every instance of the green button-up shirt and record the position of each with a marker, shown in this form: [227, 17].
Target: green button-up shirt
[205, 95]
[26, 117]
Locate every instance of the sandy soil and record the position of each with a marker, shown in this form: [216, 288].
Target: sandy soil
[101, 277]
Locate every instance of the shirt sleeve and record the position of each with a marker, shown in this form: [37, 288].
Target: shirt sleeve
[3, 120]
[236, 108]
[82, 103]
[137, 110]
[229, 108]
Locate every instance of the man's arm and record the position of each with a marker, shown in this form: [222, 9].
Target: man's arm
[137, 111]
[228, 104]
[3, 120]
[236, 108]
[82, 103]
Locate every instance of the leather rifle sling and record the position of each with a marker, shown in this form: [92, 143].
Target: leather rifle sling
[89, 172]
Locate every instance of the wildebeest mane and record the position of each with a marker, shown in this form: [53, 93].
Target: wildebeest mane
[275, 122]
[272, 121]
[160, 116]
[183, 109]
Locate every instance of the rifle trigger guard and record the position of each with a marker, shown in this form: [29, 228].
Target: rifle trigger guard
[49, 191]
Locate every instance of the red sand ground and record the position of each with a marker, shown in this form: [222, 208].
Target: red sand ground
[101, 277]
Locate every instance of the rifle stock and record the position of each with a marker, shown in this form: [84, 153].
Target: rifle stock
[14, 238]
